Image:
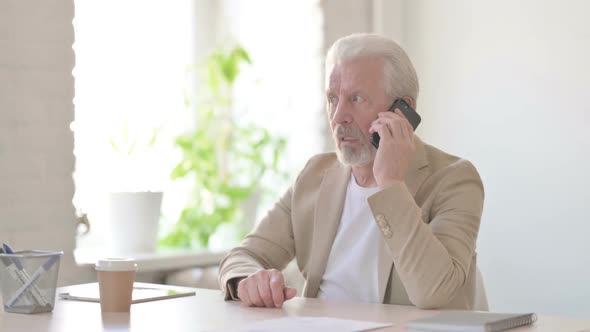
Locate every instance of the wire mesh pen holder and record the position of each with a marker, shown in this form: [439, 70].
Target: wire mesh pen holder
[28, 280]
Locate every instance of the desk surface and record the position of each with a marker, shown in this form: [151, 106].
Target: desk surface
[207, 311]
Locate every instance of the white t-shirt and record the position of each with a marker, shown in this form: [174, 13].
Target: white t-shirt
[351, 272]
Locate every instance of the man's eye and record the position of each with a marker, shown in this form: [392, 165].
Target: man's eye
[332, 100]
[358, 99]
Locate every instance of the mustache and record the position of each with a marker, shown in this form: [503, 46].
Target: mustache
[349, 131]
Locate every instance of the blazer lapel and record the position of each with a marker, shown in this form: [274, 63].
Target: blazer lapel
[416, 176]
[327, 218]
[329, 211]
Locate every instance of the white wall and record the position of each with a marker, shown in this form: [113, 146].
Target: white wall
[341, 18]
[36, 143]
[505, 84]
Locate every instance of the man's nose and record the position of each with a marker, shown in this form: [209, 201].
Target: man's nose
[342, 113]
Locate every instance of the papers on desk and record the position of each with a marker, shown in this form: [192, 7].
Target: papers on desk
[309, 324]
[90, 293]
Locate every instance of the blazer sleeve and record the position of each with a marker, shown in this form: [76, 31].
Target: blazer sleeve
[269, 246]
[433, 259]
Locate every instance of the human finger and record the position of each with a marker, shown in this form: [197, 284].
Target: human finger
[243, 293]
[277, 284]
[252, 286]
[264, 291]
[289, 293]
[397, 130]
[383, 131]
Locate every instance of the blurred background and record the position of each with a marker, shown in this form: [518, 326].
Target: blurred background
[94, 96]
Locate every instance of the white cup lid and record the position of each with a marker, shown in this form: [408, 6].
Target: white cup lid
[116, 264]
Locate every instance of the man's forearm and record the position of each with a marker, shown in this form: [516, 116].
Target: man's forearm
[432, 260]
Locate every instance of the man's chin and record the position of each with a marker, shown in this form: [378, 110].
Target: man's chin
[354, 158]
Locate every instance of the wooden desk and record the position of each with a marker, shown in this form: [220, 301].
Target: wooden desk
[207, 312]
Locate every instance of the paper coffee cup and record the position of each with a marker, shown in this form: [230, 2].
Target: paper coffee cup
[115, 283]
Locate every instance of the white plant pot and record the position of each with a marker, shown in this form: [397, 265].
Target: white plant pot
[134, 218]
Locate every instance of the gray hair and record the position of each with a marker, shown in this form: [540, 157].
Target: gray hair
[400, 78]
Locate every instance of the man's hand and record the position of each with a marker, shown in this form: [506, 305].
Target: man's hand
[396, 148]
[265, 288]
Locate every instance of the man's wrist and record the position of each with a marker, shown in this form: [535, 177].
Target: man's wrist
[232, 287]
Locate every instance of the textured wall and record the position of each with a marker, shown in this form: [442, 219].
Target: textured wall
[36, 143]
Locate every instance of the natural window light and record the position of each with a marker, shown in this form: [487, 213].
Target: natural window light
[130, 78]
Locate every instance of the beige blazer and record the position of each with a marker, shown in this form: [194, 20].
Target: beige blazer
[429, 226]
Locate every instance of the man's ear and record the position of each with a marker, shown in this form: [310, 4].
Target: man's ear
[410, 101]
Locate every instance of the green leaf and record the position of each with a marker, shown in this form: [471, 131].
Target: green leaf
[114, 145]
[226, 159]
[131, 148]
[240, 52]
[155, 133]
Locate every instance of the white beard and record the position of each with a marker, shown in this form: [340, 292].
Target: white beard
[354, 156]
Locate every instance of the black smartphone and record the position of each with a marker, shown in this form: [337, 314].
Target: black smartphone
[407, 110]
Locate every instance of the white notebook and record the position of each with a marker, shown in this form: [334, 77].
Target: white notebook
[471, 321]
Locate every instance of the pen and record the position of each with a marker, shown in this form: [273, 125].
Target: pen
[31, 282]
[12, 271]
[25, 277]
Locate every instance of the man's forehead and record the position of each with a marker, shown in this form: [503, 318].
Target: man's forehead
[334, 77]
[354, 70]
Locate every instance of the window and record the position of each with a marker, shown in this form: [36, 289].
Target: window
[130, 79]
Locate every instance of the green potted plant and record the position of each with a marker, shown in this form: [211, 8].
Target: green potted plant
[225, 159]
